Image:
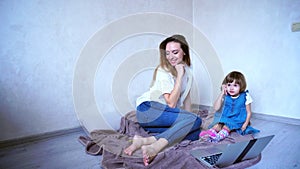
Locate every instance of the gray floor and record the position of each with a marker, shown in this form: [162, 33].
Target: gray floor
[283, 152]
[65, 151]
[60, 152]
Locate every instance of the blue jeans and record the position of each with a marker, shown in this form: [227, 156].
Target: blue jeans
[173, 124]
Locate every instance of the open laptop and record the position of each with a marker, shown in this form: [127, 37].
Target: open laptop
[228, 154]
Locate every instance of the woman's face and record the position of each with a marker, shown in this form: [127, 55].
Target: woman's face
[174, 53]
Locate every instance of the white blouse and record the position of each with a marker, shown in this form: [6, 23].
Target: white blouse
[164, 83]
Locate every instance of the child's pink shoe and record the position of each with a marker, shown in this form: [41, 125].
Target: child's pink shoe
[204, 133]
[208, 133]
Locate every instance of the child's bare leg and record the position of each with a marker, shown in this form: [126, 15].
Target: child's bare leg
[150, 151]
[218, 127]
[138, 142]
[226, 128]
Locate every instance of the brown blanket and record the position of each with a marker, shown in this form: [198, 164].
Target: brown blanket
[110, 144]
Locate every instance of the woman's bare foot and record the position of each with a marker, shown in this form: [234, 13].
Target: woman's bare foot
[151, 151]
[138, 142]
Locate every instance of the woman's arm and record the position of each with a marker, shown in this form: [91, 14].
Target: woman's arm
[187, 103]
[172, 98]
[249, 113]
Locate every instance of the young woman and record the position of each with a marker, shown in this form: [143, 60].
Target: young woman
[235, 113]
[166, 108]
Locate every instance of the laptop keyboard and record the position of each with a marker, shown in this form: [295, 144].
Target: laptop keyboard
[212, 159]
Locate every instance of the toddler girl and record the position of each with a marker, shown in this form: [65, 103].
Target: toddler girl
[236, 109]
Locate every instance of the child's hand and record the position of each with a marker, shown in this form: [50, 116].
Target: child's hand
[223, 89]
[244, 127]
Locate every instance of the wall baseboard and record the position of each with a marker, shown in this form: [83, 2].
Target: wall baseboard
[38, 137]
[278, 119]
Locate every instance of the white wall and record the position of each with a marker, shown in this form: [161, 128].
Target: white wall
[39, 47]
[42, 40]
[255, 37]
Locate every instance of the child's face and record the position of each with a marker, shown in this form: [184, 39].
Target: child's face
[233, 89]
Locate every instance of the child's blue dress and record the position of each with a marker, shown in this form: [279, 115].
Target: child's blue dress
[233, 114]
